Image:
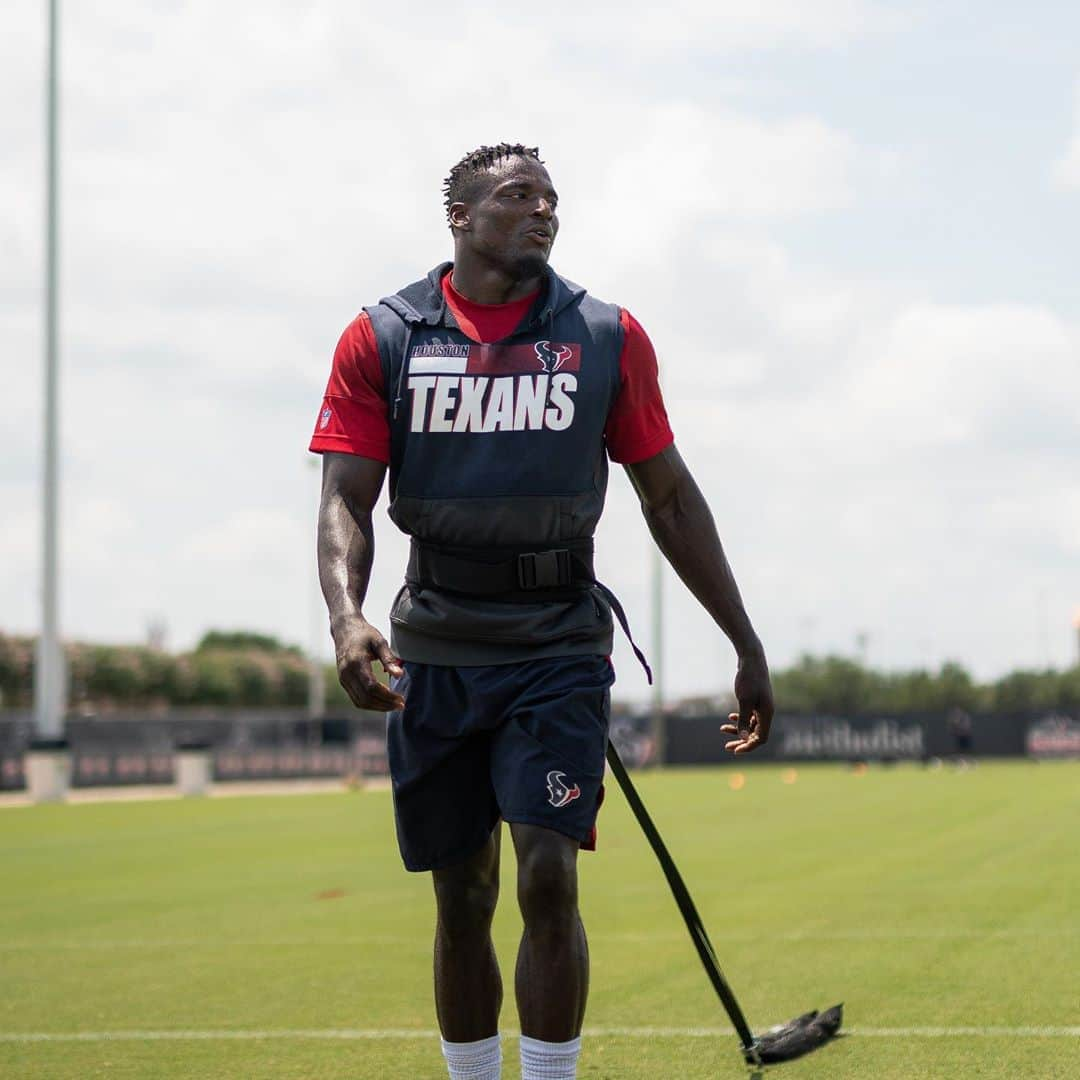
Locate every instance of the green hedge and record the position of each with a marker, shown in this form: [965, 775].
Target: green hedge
[218, 672]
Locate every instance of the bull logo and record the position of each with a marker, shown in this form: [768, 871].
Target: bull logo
[559, 792]
[552, 357]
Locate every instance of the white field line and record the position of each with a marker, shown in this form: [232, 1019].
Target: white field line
[375, 940]
[963, 1032]
[371, 1034]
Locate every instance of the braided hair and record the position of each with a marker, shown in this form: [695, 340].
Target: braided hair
[459, 185]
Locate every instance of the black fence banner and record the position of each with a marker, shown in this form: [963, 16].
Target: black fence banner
[284, 744]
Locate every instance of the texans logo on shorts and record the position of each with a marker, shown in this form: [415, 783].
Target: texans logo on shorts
[552, 357]
[559, 792]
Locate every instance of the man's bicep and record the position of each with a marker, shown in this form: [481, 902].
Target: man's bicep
[356, 479]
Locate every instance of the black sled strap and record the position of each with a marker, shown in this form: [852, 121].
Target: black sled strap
[686, 905]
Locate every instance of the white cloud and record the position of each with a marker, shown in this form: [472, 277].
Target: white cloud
[689, 27]
[948, 376]
[677, 163]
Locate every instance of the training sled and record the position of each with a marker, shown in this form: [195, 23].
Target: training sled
[780, 1043]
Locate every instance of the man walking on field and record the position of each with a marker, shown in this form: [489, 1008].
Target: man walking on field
[496, 391]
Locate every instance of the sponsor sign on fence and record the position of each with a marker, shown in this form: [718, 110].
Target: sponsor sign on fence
[828, 737]
[1054, 736]
[698, 739]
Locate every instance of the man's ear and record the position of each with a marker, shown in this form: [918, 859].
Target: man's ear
[459, 216]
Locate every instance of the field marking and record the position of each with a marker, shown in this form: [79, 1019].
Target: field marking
[793, 936]
[372, 1034]
[963, 1032]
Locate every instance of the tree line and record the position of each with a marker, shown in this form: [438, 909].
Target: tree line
[835, 684]
[226, 668]
[240, 668]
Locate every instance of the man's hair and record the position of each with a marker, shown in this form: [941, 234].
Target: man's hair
[461, 182]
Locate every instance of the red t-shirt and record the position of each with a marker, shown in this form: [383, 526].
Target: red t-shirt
[485, 322]
[354, 417]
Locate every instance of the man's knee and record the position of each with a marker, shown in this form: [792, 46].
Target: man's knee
[466, 896]
[547, 877]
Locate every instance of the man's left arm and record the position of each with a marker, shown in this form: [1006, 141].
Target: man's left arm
[682, 526]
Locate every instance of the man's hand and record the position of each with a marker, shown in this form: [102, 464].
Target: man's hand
[750, 725]
[357, 644]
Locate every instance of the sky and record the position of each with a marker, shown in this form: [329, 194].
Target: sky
[850, 229]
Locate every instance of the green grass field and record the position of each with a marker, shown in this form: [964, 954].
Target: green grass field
[246, 932]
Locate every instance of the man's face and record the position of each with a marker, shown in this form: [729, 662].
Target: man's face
[510, 222]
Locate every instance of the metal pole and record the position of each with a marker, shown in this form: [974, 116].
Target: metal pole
[659, 722]
[49, 682]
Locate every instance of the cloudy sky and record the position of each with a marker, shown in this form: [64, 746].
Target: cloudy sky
[849, 227]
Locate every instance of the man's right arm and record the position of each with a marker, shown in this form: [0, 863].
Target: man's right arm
[350, 488]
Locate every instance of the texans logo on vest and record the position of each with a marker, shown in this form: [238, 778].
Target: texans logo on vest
[486, 388]
[552, 357]
[559, 793]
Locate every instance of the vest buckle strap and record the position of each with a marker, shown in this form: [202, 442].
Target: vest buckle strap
[544, 569]
[555, 575]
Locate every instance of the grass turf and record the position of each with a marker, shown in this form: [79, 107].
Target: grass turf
[923, 899]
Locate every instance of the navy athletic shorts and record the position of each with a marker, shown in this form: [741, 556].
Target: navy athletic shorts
[523, 742]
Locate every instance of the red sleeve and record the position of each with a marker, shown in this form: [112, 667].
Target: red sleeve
[637, 426]
[353, 418]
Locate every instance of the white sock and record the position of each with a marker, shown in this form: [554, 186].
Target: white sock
[480, 1060]
[549, 1061]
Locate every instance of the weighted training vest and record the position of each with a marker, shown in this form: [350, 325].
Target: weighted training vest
[497, 458]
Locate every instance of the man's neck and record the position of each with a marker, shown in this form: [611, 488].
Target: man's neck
[490, 284]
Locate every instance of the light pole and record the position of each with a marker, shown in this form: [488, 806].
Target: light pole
[47, 763]
[49, 676]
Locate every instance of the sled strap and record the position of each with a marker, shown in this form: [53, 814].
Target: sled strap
[686, 906]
